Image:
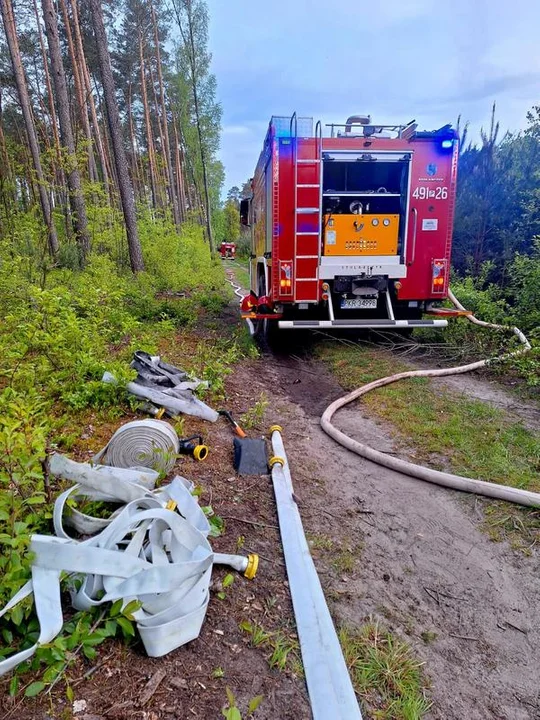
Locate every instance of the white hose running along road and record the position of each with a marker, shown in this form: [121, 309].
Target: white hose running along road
[331, 693]
[456, 482]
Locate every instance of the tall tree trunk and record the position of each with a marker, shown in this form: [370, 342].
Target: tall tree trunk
[87, 84]
[80, 93]
[173, 190]
[22, 90]
[162, 169]
[6, 176]
[59, 176]
[113, 117]
[136, 171]
[107, 147]
[179, 174]
[193, 73]
[148, 124]
[76, 198]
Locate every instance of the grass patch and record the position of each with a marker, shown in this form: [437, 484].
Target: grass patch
[340, 554]
[344, 561]
[254, 417]
[320, 541]
[283, 650]
[447, 431]
[519, 526]
[385, 674]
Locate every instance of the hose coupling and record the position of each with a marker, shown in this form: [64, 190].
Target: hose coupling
[276, 460]
[193, 446]
[252, 566]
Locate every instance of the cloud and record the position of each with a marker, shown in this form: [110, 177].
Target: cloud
[491, 87]
[396, 60]
[236, 130]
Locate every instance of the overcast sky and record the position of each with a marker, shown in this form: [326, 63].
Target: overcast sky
[394, 59]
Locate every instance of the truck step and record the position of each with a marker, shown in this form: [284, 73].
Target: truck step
[308, 161]
[306, 211]
[382, 324]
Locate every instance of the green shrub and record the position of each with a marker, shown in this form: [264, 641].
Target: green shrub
[61, 329]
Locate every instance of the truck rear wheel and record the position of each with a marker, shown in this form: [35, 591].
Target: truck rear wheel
[267, 331]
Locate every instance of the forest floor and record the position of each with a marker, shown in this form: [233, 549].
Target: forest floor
[413, 557]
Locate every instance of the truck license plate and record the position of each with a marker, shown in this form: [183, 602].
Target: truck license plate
[364, 303]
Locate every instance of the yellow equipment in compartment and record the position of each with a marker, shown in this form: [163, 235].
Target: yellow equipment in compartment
[360, 234]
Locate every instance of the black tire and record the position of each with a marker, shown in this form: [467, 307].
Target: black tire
[267, 334]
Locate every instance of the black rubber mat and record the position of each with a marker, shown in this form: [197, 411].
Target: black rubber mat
[250, 456]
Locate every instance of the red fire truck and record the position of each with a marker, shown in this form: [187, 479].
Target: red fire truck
[227, 250]
[351, 228]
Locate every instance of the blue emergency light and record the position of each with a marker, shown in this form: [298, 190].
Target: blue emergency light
[446, 144]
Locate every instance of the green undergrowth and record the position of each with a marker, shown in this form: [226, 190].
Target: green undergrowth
[487, 302]
[444, 430]
[61, 329]
[385, 674]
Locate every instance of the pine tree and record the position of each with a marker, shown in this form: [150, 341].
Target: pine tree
[115, 130]
[76, 197]
[24, 99]
[192, 21]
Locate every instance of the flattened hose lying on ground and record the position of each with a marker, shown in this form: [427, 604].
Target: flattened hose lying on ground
[456, 482]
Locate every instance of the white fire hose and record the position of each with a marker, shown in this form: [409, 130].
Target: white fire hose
[238, 292]
[154, 549]
[480, 487]
[331, 693]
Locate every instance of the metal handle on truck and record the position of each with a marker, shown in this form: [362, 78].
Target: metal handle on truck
[415, 227]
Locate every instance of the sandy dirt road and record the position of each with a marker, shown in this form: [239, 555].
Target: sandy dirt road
[468, 605]
[424, 566]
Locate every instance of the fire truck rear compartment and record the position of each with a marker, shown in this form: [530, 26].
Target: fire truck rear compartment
[364, 203]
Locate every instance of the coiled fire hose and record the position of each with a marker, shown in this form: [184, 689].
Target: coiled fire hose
[456, 482]
[149, 443]
[152, 443]
[154, 549]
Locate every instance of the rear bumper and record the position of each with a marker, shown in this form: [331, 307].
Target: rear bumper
[359, 324]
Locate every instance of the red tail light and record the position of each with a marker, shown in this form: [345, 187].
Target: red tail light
[285, 277]
[438, 276]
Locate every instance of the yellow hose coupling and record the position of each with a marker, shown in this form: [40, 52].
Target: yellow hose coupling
[171, 505]
[276, 428]
[200, 452]
[276, 460]
[252, 566]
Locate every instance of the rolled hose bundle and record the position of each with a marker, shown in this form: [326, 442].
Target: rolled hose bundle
[152, 443]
